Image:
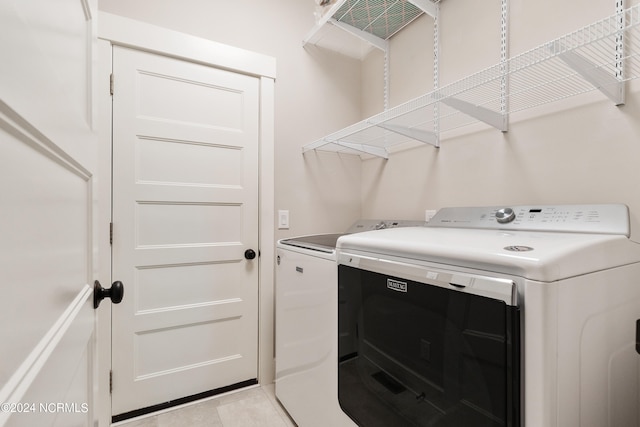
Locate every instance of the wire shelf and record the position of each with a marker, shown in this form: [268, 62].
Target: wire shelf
[601, 56]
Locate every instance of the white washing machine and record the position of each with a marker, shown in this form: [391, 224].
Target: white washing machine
[523, 316]
[306, 333]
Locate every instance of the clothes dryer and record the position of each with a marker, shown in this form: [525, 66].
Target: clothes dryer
[523, 316]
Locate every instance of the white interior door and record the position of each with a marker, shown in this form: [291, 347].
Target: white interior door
[47, 167]
[185, 210]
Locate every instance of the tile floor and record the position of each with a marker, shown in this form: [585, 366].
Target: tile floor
[250, 407]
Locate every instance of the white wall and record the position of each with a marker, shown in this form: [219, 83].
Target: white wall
[582, 150]
[317, 92]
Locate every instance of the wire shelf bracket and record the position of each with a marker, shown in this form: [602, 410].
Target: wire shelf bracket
[427, 6]
[609, 85]
[490, 117]
[413, 133]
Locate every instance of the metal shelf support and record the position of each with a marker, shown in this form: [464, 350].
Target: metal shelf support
[603, 81]
[413, 133]
[427, 6]
[492, 118]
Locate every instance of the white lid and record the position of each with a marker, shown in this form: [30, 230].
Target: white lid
[551, 257]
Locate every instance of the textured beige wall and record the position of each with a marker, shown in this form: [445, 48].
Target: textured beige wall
[581, 150]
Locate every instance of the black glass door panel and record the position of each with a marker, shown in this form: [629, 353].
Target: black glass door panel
[425, 355]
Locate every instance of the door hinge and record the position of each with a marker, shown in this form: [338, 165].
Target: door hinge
[110, 382]
[111, 233]
[111, 84]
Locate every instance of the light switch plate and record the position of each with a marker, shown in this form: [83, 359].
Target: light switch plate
[283, 220]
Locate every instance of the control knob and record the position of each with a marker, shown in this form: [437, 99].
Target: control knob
[505, 215]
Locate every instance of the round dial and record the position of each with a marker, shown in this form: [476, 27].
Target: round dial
[505, 215]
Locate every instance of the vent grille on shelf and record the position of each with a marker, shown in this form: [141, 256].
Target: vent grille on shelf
[382, 18]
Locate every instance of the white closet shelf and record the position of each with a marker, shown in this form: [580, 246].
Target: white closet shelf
[372, 22]
[603, 56]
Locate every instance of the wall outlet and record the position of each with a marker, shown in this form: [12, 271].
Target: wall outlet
[429, 213]
[283, 220]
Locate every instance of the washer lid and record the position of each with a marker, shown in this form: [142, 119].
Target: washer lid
[542, 256]
[318, 242]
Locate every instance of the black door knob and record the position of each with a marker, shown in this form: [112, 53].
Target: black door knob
[249, 254]
[115, 293]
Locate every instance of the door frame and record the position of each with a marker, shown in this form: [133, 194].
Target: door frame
[118, 30]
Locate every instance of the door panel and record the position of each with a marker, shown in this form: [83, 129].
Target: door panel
[61, 392]
[184, 211]
[47, 166]
[161, 161]
[46, 221]
[187, 223]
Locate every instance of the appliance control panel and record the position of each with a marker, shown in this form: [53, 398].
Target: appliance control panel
[603, 219]
[381, 224]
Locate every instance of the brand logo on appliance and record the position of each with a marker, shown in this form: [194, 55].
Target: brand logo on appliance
[518, 248]
[396, 285]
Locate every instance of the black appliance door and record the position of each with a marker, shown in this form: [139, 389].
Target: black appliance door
[417, 354]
